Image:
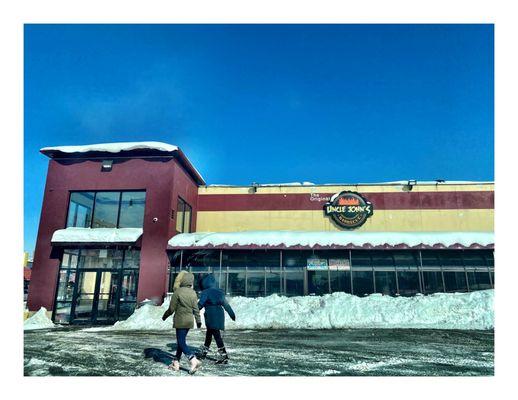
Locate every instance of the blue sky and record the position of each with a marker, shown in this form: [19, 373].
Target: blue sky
[266, 103]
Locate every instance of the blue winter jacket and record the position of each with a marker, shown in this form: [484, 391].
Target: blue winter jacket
[213, 299]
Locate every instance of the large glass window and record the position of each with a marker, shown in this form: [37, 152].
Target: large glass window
[106, 209]
[361, 269]
[363, 282]
[294, 264]
[255, 277]
[101, 258]
[97, 284]
[80, 209]
[455, 281]
[478, 278]
[432, 281]
[340, 280]
[294, 281]
[386, 281]
[132, 209]
[236, 281]
[408, 281]
[183, 216]
[273, 280]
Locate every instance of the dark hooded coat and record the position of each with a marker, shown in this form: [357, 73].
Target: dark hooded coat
[214, 301]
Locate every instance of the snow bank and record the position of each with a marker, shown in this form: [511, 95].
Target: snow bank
[97, 235]
[113, 147]
[325, 238]
[38, 321]
[339, 310]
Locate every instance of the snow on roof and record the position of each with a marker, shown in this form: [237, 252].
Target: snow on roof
[113, 147]
[331, 239]
[391, 183]
[96, 235]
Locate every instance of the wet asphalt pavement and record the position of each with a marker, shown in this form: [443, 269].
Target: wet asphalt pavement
[379, 352]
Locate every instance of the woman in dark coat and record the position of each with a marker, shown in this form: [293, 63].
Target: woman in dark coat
[214, 301]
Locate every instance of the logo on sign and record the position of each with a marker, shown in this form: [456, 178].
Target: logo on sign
[349, 210]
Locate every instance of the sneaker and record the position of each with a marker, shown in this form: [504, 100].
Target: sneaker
[202, 352]
[175, 366]
[195, 365]
[222, 356]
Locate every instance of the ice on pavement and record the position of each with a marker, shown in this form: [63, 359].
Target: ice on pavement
[38, 321]
[341, 310]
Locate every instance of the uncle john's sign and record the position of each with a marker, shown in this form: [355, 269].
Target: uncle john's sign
[348, 209]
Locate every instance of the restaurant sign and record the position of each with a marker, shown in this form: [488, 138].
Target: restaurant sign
[317, 264]
[348, 210]
[339, 264]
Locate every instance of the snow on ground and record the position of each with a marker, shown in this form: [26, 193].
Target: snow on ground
[342, 238]
[97, 235]
[38, 321]
[340, 310]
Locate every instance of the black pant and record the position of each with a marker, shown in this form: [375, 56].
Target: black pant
[217, 336]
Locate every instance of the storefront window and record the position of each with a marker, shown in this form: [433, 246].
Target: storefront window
[62, 313]
[361, 258]
[455, 281]
[273, 280]
[294, 281]
[478, 279]
[318, 282]
[106, 210]
[236, 281]
[132, 209]
[131, 259]
[80, 209]
[101, 258]
[96, 285]
[386, 281]
[340, 281]
[67, 280]
[408, 281]
[363, 282]
[432, 281]
[129, 286]
[255, 281]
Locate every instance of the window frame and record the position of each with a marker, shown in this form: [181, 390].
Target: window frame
[179, 201]
[119, 206]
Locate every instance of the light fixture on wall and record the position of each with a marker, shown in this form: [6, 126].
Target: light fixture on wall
[409, 185]
[106, 165]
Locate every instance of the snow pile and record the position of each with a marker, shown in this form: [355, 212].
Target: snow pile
[341, 310]
[338, 311]
[96, 235]
[113, 147]
[342, 238]
[38, 321]
[145, 318]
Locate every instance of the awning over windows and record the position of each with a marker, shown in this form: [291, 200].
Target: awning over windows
[334, 240]
[96, 236]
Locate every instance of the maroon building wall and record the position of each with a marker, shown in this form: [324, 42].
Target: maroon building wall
[162, 178]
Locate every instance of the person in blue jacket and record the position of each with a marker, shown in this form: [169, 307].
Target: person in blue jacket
[214, 301]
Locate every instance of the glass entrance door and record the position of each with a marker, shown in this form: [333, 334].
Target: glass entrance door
[96, 297]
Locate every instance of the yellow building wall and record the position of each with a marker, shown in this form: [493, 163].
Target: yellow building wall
[417, 220]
